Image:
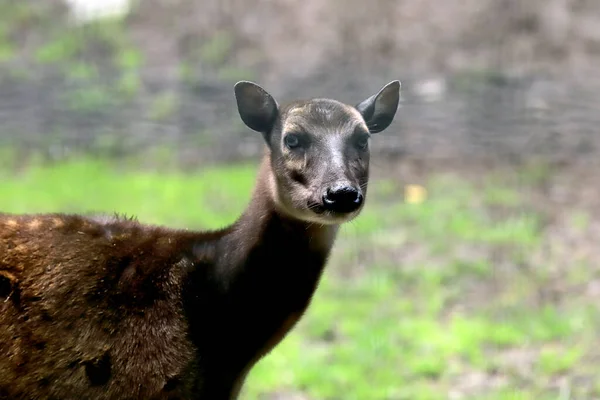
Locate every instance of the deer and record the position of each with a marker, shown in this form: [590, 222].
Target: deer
[106, 307]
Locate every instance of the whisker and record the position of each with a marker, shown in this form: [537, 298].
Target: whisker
[313, 206]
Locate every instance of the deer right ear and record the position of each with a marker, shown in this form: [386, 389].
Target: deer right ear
[257, 108]
[379, 110]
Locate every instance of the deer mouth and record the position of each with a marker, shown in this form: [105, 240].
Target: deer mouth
[327, 216]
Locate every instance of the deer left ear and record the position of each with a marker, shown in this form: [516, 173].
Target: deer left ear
[257, 108]
[379, 110]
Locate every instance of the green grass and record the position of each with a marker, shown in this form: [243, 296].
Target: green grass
[210, 198]
[443, 299]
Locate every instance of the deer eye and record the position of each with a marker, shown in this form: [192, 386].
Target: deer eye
[292, 141]
[362, 141]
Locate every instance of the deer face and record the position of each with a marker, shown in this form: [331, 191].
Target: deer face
[319, 149]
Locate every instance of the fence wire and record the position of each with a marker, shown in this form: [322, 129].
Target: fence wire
[502, 79]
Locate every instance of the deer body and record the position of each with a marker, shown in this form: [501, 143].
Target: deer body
[108, 308]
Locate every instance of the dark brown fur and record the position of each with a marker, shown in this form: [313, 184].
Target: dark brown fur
[108, 308]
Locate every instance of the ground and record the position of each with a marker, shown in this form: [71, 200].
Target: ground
[455, 283]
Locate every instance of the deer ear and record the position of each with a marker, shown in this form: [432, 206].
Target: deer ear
[257, 108]
[379, 110]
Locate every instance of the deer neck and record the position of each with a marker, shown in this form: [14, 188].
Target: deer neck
[258, 275]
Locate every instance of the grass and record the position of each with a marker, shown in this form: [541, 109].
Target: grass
[444, 299]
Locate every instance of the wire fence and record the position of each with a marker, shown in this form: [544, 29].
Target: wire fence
[499, 79]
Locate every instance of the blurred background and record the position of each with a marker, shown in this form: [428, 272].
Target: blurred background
[473, 272]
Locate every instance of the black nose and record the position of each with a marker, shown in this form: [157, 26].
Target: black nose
[342, 199]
